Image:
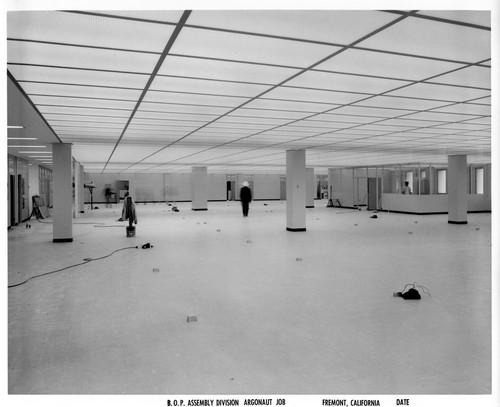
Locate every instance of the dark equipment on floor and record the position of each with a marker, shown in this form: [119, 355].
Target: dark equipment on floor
[39, 208]
[412, 293]
[130, 231]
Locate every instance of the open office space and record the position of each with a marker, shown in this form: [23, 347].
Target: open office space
[365, 138]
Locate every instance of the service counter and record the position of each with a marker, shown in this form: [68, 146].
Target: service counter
[430, 204]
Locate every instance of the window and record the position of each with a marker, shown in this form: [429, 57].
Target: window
[441, 178]
[479, 180]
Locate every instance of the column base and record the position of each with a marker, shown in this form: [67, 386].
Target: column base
[64, 240]
[200, 209]
[455, 222]
[296, 229]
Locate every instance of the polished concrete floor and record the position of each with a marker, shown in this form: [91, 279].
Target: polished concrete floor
[276, 312]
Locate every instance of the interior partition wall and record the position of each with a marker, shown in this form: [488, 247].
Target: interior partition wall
[349, 187]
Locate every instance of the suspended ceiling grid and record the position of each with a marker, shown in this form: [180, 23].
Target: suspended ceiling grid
[162, 91]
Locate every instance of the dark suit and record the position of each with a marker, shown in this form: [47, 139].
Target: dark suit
[246, 198]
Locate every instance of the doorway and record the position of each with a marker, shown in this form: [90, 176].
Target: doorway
[361, 191]
[374, 191]
[283, 188]
[122, 186]
[12, 199]
[230, 190]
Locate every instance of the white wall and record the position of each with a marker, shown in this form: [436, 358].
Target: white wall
[175, 187]
[178, 187]
[146, 187]
[266, 186]
[478, 203]
[340, 183]
[217, 187]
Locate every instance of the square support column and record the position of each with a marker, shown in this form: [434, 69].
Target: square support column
[310, 188]
[457, 189]
[296, 190]
[62, 193]
[199, 189]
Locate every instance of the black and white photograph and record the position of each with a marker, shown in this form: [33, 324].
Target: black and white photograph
[251, 203]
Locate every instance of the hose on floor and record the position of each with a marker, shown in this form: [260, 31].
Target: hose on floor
[85, 261]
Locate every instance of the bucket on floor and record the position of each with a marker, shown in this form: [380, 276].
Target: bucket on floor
[130, 231]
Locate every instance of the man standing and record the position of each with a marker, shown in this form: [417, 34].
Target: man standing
[246, 198]
[406, 189]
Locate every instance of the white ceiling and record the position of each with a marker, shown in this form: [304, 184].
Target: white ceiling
[162, 91]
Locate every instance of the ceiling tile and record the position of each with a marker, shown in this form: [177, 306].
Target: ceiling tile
[222, 45]
[207, 87]
[441, 92]
[477, 17]
[382, 64]
[473, 76]
[433, 39]
[88, 30]
[309, 95]
[338, 26]
[82, 58]
[346, 83]
[187, 66]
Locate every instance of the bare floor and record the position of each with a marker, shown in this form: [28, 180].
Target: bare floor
[277, 312]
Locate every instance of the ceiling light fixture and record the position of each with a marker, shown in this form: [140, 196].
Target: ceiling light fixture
[21, 138]
[27, 146]
[15, 127]
[29, 152]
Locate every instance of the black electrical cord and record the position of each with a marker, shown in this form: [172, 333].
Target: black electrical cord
[74, 223]
[85, 261]
[424, 289]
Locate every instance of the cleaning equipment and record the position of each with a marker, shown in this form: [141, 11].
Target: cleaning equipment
[129, 213]
[412, 293]
[130, 231]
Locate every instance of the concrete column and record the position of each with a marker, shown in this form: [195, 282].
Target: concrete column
[296, 190]
[310, 187]
[62, 193]
[199, 189]
[457, 189]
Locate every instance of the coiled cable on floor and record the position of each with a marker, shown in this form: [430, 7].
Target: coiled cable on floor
[424, 289]
[85, 261]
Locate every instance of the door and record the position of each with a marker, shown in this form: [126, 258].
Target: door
[230, 188]
[22, 199]
[283, 188]
[374, 191]
[361, 192]
[12, 200]
[122, 186]
[372, 194]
